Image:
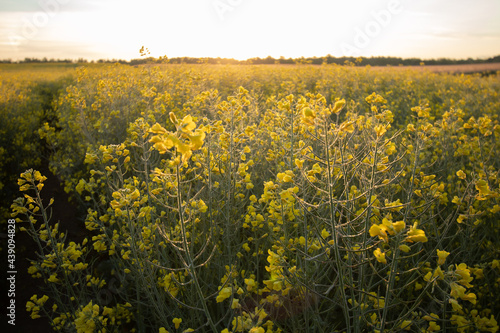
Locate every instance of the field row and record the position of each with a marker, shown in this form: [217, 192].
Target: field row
[260, 198]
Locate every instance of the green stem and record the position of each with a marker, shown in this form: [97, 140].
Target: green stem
[53, 241]
[395, 257]
[366, 232]
[338, 259]
[189, 258]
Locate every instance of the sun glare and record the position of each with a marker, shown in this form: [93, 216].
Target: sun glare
[241, 29]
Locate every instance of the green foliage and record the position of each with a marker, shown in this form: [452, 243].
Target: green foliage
[304, 201]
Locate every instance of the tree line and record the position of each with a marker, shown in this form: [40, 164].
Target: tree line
[329, 59]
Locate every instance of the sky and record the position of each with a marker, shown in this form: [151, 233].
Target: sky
[242, 29]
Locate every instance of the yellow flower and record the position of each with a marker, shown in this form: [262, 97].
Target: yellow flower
[163, 143]
[391, 227]
[442, 256]
[325, 234]
[478, 272]
[457, 291]
[173, 118]
[308, 113]
[433, 327]
[285, 177]
[483, 188]
[461, 174]
[236, 304]
[85, 318]
[30, 305]
[416, 235]
[308, 116]
[250, 284]
[299, 163]
[431, 317]
[125, 254]
[177, 322]
[439, 272]
[38, 176]
[185, 151]
[197, 139]
[246, 247]
[471, 297]
[454, 304]
[187, 124]
[495, 209]
[162, 330]
[398, 226]
[380, 256]
[53, 278]
[464, 273]
[107, 311]
[380, 231]
[347, 126]
[224, 293]
[338, 106]
[157, 129]
[405, 325]
[166, 140]
[380, 130]
[459, 321]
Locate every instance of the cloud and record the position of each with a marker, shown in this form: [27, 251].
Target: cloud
[291, 28]
[52, 49]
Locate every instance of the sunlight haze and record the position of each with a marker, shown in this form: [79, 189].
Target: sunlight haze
[113, 29]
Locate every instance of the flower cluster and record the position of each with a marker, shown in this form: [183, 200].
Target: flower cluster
[287, 205]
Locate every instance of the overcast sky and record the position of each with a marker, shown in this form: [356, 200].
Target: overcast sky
[106, 29]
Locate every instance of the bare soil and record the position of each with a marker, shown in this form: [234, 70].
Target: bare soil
[70, 222]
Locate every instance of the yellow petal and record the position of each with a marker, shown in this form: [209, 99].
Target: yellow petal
[461, 174]
[158, 129]
[338, 106]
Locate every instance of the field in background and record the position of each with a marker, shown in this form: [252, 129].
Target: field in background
[270, 198]
[468, 68]
[63, 68]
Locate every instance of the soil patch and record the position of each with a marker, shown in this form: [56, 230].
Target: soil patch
[71, 222]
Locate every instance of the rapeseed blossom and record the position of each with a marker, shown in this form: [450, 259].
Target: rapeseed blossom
[277, 198]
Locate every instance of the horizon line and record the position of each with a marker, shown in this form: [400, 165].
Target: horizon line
[328, 56]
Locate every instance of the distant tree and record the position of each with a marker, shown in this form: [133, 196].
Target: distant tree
[328, 59]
